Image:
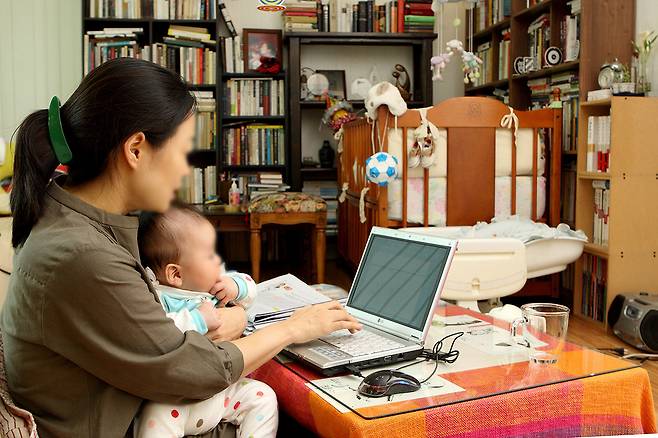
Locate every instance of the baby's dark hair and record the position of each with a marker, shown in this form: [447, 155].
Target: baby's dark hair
[160, 235]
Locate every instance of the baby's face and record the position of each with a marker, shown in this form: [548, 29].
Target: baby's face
[200, 264]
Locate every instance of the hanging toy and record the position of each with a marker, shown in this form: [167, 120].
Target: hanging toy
[338, 112]
[381, 168]
[470, 62]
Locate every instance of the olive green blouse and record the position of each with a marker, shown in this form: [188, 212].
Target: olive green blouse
[86, 341]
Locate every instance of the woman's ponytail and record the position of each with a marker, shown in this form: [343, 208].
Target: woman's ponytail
[34, 165]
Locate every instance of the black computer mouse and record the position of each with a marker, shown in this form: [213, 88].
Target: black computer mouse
[388, 382]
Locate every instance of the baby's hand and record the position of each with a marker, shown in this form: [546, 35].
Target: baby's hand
[225, 290]
[209, 314]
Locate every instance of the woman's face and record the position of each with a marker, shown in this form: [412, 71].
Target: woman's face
[156, 182]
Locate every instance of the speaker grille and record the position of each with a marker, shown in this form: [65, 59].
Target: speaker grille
[615, 310]
[649, 330]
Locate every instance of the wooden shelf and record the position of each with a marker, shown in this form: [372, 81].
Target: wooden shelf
[321, 104]
[565, 66]
[533, 11]
[493, 28]
[597, 250]
[319, 174]
[488, 86]
[149, 20]
[360, 38]
[594, 175]
[603, 102]
[255, 168]
[202, 86]
[253, 118]
[254, 75]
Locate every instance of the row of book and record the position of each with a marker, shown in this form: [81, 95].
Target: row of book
[595, 287]
[159, 9]
[570, 117]
[485, 53]
[539, 39]
[254, 97]
[232, 54]
[489, 12]
[358, 16]
[254, 145]
[601, 212]
[504, 55]
[598, 144]
[541, 89]
[570, 32]
[200, 186]
[205, 133]
[186, 50]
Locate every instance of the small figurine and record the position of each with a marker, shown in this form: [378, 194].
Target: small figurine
[405, 86]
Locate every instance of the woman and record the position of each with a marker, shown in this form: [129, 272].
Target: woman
[85, 339]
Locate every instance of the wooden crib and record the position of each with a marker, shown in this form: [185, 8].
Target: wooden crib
[470, 123]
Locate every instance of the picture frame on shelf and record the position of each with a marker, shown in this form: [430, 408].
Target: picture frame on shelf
[257, 43]
[337, 83]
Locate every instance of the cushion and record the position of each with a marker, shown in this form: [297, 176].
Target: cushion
[287, 202]
[14, 421]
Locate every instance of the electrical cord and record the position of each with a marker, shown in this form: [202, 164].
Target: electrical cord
[437, 355]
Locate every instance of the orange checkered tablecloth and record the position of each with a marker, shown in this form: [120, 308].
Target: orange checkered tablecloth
[612, 399]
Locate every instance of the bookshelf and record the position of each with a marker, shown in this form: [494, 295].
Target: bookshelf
[627, 263]
[605, 28]
[212, 160]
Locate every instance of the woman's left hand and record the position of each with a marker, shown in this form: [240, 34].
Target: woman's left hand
[233, 322]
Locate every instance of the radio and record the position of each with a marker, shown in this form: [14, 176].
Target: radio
[634, 319]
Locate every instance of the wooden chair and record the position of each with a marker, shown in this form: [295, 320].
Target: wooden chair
[290, 208]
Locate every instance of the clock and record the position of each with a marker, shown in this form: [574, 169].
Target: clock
[317, 84]
[611, 73]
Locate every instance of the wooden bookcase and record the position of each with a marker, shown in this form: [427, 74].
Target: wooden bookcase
[154, 31]
[632, 247]
[420, 43]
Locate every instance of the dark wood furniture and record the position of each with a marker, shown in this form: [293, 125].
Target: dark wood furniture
[420, 43]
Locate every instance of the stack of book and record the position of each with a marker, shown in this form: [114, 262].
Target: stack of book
[328, 190]
[254, 97]
[541, 96]
[267, 184]
[418, 16]
[232, 54]
[540, 92]
[206, 128]
[301, 16]
[598, 144]
[504, 56]
[595, 288]
[199, 186]
[570, 32]
[601, 212]
[161, 9]
[539, 39]
[102, 45]
[569, 85]
[489, 12]
[254, 145]
[187, 51]
[485, 53]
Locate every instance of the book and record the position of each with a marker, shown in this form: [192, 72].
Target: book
[278, 298]
[200, 186]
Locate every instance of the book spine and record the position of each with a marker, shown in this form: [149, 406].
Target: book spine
[400, 16]
[326, 18]
[369, 15]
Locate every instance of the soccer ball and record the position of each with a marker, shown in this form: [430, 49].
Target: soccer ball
[381, 168]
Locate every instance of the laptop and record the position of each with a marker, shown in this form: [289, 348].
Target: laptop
[394, 294]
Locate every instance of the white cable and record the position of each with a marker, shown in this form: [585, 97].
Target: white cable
[640, 356]
[511, 121]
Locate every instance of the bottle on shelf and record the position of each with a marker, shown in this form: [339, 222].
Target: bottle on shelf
[234, 194]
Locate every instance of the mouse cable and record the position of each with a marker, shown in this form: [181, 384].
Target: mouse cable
[437, 355]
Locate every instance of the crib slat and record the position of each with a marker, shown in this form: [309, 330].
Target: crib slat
[426, 190]
[513, 181]
[533, 214]
[404, 177]
[382, 191]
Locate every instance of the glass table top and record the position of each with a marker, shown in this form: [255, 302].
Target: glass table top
[489, 364]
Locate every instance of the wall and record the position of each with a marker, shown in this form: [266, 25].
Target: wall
[40, 56]
[646, 18]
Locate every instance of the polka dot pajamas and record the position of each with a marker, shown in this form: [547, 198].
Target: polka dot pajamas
[249, 404]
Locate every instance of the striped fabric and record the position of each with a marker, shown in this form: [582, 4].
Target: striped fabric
[14, 421]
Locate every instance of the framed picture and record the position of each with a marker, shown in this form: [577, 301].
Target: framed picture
[337, 85]
[258, 43]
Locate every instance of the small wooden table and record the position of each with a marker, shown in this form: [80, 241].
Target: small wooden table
[317, 219]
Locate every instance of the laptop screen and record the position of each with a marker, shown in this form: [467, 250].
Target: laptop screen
[397, 279]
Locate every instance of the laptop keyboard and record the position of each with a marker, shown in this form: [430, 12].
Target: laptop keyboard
[360, 343]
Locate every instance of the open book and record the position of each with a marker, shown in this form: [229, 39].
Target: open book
[278, 298]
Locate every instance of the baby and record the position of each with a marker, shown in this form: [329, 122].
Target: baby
[178, 249]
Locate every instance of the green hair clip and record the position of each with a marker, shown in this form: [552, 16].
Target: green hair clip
[60, 146]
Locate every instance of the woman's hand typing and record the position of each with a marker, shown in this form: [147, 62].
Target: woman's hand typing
[320, 320]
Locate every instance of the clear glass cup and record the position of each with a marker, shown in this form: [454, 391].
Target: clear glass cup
[543, 329]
